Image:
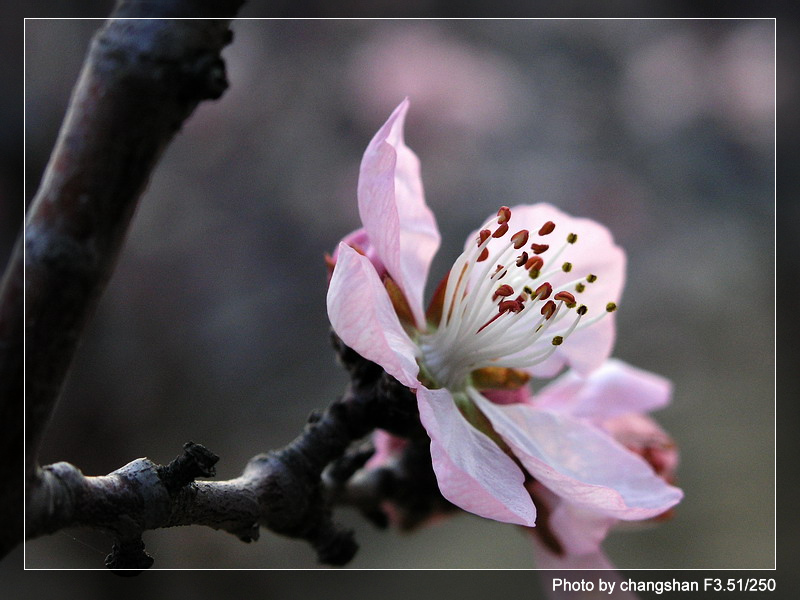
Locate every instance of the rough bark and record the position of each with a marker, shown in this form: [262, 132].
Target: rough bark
[291, 491]
[141, 79]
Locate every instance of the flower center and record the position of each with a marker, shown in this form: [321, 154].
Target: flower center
[504, 312]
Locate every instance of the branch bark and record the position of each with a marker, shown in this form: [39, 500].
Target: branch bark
[283, 491]
[142, 78]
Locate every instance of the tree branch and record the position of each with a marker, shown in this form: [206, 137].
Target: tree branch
[142, 78]
[283, 490]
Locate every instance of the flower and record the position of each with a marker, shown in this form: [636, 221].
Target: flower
[512, 306]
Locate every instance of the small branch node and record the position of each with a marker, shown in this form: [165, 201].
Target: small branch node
[196, 461]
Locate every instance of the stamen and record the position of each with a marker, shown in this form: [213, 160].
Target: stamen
[520, 238]
[548, 309]
[534, 263]
[513, 306]
[503, 215]
[543, 291]
[517, 324]
[611, 307]
[503, 291]
[548, 227]
[566, 297]
[500, 231]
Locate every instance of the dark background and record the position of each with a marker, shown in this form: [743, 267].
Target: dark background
[213, 327]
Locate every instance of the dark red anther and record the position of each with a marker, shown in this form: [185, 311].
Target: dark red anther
[534, 264]
[504, 307]
[483, 236]
[547, 228]
[497, 270]
[503, 291]
[510, 306]
[500, 231]
[565, 296]
[483, 255]
[543, 291]
[539, 248]
[520, 238]
[503, 215]
[548, 309]
[522, 259]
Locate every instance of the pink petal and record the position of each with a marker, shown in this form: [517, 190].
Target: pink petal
[642, 435]
[360, 239]
[579, 531]
[362, 315]
[616, 388]
[581, 463]
[594, 253]
[472, 471]
[392, 206]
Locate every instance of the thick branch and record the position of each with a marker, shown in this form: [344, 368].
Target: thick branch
[282, 490]
[141, 79]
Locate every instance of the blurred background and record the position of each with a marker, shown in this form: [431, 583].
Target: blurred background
[213, 327]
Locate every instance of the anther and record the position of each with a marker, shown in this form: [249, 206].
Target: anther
[534, 273]
[496, 271]
[535, 262]
[582, 310]
[611, 307]
[572, 238]
[579, 287]
[500, 231]
[558, 340]
[503, 291]
[522, 259]
[503, 215]
[566, 297]
[566, 267]
[543, 291]
[591, 278]
[510, 306]
[483, 236]
[548, 309]
[528, 290]
[539, 248]
[547, 228]
[483, 255]
[520, 238]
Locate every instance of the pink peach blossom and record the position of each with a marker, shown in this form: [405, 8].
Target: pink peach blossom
[520, 297]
